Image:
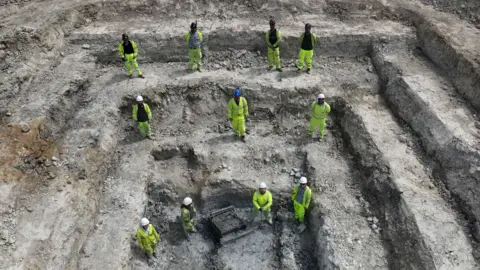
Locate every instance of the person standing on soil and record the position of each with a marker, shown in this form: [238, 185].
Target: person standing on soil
[237, 111]
[194, 41]
[307, 44]
[128, 51]
[320, 109]
[262, 201]
[142, 114]
[273, 38]
[188, 215]
[301, 197]
[147, 238]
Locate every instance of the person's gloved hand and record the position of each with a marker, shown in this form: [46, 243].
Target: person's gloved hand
[260, 209]
[123, 59]
[134, 57]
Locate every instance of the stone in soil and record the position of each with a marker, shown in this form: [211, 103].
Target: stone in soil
[25, 128]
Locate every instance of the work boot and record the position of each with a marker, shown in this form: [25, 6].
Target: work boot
[279, 69]
[199, 69]
[130, 76]
[299, 69]
[141, 76]
[270, 68]
[154, 254]
[242, 138]
[270, 222]
[301, 227]
[308, 71]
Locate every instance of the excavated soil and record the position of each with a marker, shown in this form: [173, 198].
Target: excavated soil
[395, 183]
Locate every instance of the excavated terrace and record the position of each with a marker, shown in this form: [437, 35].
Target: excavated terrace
[395, 183]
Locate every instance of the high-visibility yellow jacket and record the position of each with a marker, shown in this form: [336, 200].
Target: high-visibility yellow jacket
[121, 51]
[147, 109]
[279, 38]
[237, 111]
[320, 111]
[147, 239]
[263, 201]
[188, 216]
[307, 195]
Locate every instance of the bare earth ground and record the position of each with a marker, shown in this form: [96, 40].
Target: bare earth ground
[395, 183]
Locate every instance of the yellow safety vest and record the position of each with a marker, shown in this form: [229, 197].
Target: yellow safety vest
[147, 239]
[147, 110]
[320, 111]
[307, 195]
[262, 200]
[279, 38]
[237, 111]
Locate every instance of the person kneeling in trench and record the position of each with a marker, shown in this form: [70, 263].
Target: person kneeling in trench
[262, 202]
[188, 215]
[301, 197]
[147, 238]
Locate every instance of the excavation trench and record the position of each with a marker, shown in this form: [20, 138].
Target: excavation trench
[217, 171]
[214, 185]
[232, 44]
[259, 247]
[460, 65]
[400, 233]
[350, 156]
[455, 155]
[362, 178]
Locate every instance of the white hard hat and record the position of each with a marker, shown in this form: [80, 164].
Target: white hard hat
[144, 222]
[303, 180]
[321, 96]
[187, 201]
[139, 98]
[262, 185]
